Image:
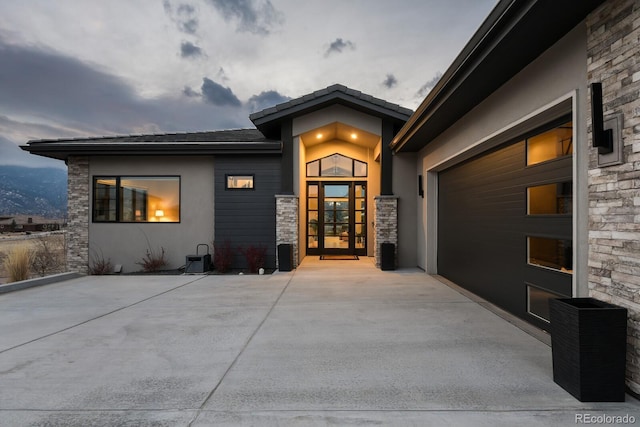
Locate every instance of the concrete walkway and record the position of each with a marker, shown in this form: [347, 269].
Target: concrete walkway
[333, 343]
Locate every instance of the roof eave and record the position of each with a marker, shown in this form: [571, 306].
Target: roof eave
[61, 151]
[480, 67]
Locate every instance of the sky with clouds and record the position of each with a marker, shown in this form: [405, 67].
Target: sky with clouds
[74, 68]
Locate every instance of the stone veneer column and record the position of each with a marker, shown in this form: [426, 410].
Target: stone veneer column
[287, 223]
[613, 40]
[78, 214]
[386, 224]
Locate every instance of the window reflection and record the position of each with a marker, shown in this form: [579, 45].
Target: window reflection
[550, 199]
[337, 165]
[538, 301]
[240, 182]
[556, 254]
[550, 145]
[136, 199]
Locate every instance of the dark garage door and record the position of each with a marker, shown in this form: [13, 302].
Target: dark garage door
[505, 226]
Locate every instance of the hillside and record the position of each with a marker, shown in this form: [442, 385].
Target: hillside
[33, 191]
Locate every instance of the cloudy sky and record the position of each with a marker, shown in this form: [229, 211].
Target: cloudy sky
[72, 68]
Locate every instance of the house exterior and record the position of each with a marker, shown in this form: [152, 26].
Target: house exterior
[311, 175]
[492, 183]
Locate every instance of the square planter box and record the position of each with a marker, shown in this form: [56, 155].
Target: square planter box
[589, 345]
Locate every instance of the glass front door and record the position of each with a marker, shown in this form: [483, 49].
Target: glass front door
[336, 218]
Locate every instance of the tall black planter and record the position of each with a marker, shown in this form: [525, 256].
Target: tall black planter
[588, 344]
[388, 256]
[285, 257]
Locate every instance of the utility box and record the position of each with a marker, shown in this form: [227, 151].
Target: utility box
[198, 263]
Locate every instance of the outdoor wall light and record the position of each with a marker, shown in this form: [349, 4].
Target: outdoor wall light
[602, 138]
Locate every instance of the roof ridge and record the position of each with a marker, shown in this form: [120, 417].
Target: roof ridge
[336, 87]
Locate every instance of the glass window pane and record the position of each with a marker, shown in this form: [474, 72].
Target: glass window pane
[333, 190]
[340, 205]
[360, 204]
[313, 241]
[133, 205]
[360, 217]
[313, 216]
[331, 215]
[360, 191]
[359, 168]
[312, 191]
[549, 145]
[313, 203]
[150, 199]
[538, 301]
[313, 168]
[104, 199]
[330, 230]
[550, 199]
[141, 199]
[336, 165]
[244, 182]
[556, 254]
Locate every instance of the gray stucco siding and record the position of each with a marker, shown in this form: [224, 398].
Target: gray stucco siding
[126, 243]
[247, 217]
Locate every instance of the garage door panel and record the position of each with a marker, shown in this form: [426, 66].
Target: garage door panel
[484, 228]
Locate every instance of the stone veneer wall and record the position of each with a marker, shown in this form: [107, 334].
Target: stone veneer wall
[78, 214]
[386, 224]
[613, 52]
[287, 223]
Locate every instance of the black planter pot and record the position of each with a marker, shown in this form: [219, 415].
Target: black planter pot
[589, 344]
[388, 256]
[285, 257]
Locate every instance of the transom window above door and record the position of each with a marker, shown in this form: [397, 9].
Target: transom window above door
[336, 165]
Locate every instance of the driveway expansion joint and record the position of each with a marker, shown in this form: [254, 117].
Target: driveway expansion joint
[84, 322]
[244, 347]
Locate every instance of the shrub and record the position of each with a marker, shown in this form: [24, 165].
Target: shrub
[153, 260]
[17, 263]
[49, 254]
[99, 266]
[255, 257]
[222, 256]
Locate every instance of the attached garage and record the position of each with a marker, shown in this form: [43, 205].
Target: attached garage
[505, 222]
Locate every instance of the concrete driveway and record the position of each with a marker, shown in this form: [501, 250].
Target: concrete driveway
[333, 343]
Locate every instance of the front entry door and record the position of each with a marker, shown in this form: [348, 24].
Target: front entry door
[336, 218]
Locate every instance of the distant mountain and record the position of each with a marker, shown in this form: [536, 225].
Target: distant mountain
[11, 154]
[33, 191]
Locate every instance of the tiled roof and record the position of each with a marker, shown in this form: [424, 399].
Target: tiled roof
[329, 93]
[235, 135]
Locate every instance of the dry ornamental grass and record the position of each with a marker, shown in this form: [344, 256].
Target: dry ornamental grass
[18, 262]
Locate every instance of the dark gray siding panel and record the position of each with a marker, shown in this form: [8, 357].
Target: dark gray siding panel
[247, 217]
